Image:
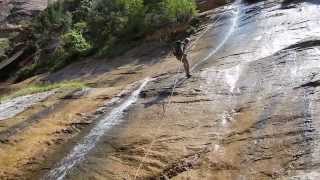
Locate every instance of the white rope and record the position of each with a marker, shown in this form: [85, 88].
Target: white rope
[169, 102]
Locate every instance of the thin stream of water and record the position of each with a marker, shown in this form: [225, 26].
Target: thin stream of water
[89, 142]
[81, 150]
[227, 36]
[230, 76]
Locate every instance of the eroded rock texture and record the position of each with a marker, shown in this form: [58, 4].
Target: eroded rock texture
[250, 111]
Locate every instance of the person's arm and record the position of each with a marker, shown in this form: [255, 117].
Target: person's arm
[186, 47]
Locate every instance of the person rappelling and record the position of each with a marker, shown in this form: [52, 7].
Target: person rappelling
[180, 52]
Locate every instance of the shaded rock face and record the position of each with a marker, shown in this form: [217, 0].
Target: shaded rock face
[4, 10]
[204, 5]
[15, 18]
[14, 11]
[250, 111]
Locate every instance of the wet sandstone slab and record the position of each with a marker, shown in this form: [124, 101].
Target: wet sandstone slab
[249, 112]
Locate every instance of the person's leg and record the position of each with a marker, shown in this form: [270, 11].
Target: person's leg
[186, 65]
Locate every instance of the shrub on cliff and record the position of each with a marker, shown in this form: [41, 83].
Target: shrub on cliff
[109, 22]
[74, 42]
[52, 21]
[178, 11]
[114, 21]
[70, 29]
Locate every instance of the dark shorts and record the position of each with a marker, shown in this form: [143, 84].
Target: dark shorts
[181, 57]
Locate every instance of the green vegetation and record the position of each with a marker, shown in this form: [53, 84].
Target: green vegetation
[73, 85]
[179, 11]
[72, 29]
[4, 43]
[26, 72]
[74, 42]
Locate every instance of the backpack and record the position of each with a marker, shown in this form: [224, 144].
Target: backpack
[178, 49]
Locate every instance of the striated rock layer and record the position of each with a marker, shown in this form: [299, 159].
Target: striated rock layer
[250, 110]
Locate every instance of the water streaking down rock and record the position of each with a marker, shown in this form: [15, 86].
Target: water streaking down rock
[250, 111]
[256, 97]
[106, 122]
[12, 107]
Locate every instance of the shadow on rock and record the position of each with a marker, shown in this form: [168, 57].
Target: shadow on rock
[164, 93]
[288, 4]
[304, 44]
